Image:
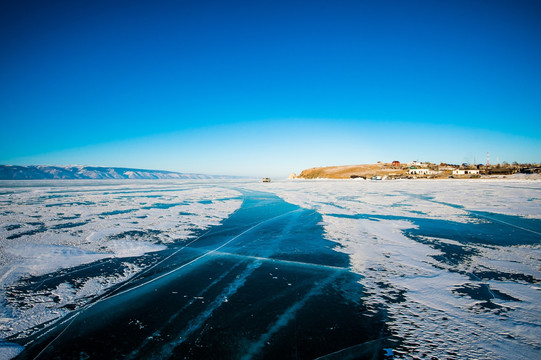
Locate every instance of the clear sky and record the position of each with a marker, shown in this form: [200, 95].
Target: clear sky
[266, 88]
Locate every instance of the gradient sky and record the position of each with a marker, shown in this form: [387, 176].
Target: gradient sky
[266, 88]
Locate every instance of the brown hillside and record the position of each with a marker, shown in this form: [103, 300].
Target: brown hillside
[349, 171]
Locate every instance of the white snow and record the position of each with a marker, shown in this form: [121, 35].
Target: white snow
[126, 248]
[93, 216]
[38, 259]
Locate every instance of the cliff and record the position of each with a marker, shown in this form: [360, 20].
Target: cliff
[353, 171]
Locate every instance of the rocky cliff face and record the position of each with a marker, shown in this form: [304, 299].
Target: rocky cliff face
[36, 172]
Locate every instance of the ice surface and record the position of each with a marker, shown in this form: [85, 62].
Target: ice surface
[96, 217]
[447, 292]
[46, 226]
[9, 350]
[37, 259]
[375, 222]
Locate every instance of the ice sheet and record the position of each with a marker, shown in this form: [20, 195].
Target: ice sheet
[46, 226]
[446, 293]
[428, 294]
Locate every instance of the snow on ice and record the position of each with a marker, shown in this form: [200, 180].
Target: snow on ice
[432, 286]
[448, 292]
[49, 226]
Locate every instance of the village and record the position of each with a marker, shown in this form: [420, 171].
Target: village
[418, 169]
[427, 169]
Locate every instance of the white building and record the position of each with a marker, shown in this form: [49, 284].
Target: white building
[419, 171]
[466, 172]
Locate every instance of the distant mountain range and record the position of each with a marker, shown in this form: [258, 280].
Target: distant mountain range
[36, 172]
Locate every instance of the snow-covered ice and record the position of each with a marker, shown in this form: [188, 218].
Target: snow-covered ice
[47, 226]
[453, 263]
[432, 286]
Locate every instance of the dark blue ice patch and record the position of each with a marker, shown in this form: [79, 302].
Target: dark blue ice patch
[69, 225]
[12, 227]
[498, 275]
[481, 291]
[72, 203]
[163, 205]
[70, 217]
[40, 228]
[117, 212]
[147, 234]
[490, 228]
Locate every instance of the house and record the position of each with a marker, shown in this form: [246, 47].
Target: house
[500, 171]
[466, 172]
[446, 167]
[533, 170]
[416, 171]
[396, 163]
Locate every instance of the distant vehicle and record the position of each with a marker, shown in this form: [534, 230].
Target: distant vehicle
[266, 180]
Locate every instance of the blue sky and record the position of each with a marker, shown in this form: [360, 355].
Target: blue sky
[268, 87]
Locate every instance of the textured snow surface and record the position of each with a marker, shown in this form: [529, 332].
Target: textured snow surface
[47, 226]
[456, 265]
[425, 291]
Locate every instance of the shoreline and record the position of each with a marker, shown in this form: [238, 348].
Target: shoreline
[523, 177]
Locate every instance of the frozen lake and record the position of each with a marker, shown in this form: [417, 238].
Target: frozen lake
[288, 269]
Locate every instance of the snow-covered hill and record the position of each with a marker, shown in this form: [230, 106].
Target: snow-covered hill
[34, 172]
